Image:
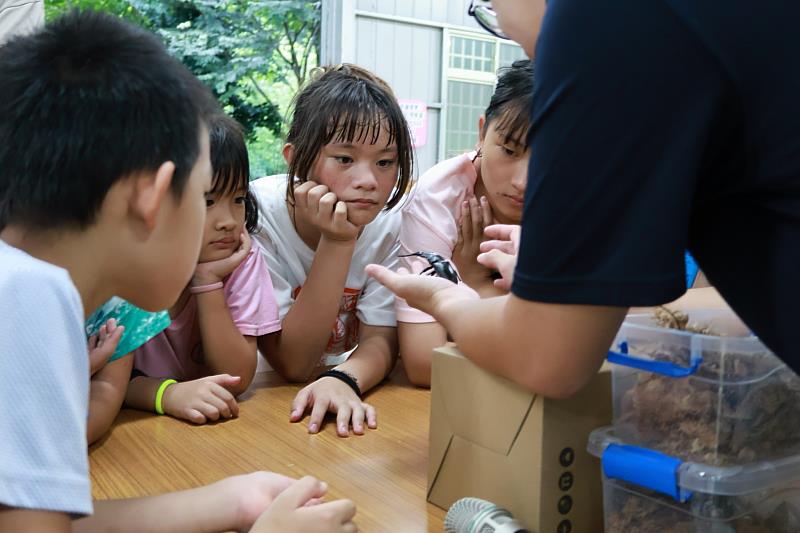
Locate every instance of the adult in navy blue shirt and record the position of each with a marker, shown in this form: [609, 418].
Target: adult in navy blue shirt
[658, 126]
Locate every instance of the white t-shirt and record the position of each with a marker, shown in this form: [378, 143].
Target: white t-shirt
[44, 387]
[18, 17]
[289, 260]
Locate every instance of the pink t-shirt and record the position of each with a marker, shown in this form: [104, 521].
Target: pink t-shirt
[431, 217]
[177, 352]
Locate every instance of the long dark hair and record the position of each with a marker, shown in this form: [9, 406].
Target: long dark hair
[346, 103]
[230, 165]
[510, 106]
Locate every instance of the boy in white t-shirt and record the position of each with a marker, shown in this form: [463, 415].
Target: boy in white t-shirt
[104, 165]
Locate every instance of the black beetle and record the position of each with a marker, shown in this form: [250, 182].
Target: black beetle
[439, 266]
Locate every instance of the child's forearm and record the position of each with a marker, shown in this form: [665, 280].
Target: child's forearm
[102, 410]
[197, 510]
[225, 349]
[106, 392]
[417, 342]
[306, 328]
[374, 358]
[19, 519]
[141, 393]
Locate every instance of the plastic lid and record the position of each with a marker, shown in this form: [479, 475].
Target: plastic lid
[697, 477]
[708, 357]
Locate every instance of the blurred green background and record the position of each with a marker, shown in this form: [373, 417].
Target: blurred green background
[253, 54]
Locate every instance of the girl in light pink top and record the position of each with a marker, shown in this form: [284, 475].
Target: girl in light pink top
[456, 199]
[207, 355]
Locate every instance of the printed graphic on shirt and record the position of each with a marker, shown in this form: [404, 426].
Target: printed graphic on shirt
[344, 335]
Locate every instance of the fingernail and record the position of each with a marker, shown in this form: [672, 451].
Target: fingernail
[312, 428]
[342, 428]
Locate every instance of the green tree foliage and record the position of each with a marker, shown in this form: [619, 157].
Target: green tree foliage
[253, 54]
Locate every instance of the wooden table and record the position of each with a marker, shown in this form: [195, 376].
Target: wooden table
[384, 472]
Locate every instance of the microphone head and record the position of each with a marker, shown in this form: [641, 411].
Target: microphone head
[462, 512]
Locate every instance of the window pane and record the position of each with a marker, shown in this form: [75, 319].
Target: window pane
[510, 53]
[475, 54]
[488, 54]
[465, 104]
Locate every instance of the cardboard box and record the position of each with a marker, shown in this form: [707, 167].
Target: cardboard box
[491, 439]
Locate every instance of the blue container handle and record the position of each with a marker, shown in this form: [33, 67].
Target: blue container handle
[657, 367]
[645, 468]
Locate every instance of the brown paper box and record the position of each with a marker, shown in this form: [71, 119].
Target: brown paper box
[491, 439]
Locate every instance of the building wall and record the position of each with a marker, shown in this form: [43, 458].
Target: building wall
[452, 12]
[409, 58]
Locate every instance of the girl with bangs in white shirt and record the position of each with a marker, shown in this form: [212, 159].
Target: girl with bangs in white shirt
[349, 156]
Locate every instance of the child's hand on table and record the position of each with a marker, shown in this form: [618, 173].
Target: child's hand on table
[202, 400]
[216, 271]
[500, 253]
[298, 509]
[328, 394]
[103, 344]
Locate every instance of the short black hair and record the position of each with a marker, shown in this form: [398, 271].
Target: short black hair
[84, 102]
[511, 104]
[347, 103]
[230, 165]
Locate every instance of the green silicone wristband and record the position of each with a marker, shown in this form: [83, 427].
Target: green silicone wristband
[160, 394]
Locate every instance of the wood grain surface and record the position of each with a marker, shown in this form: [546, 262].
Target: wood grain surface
[383, 472]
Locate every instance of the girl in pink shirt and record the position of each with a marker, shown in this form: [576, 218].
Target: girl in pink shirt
[207, 355]
[456, 199]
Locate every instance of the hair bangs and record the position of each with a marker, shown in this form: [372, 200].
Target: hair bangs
[229, 180]
[230, 163]
[509, 109]
[514, 124]
[350, 105]
[361, 127]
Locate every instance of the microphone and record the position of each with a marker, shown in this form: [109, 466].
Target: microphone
[473, 515]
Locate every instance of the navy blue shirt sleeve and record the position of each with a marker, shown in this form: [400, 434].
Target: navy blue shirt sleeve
[625, 100]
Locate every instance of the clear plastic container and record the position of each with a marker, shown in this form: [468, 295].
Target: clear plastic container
[645, 492]
[721, 399]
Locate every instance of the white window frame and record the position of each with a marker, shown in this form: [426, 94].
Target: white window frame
[463, 75]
